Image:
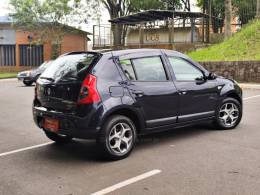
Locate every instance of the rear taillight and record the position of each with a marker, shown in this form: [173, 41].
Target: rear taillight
[88, 92]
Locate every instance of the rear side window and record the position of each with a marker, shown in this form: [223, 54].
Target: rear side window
[183, 70]
[106, 69]
[144, 69]
[128, 69]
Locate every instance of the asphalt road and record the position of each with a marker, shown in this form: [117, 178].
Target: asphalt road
[195, 160]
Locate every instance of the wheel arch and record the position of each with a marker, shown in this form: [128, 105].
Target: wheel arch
[232, 91]
[235, 96]
[133, 114]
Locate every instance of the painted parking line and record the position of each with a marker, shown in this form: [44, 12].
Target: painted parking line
[24, 149]
[251, 97]
[127, 182]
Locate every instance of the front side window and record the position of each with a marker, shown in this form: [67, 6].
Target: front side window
[149, 69]
[184, 71]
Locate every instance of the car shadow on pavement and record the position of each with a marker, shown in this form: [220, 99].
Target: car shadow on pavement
[175, 134]
[77, 150]
[24, 86]
[89, 151]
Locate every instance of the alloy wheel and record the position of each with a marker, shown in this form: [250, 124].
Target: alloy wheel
[229, 114]
[120, 138]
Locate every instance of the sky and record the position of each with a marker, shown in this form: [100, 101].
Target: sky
[5, 9]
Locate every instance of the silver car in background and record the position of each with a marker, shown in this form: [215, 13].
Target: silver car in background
[30, 76]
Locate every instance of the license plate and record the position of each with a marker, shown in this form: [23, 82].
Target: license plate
[51, 124]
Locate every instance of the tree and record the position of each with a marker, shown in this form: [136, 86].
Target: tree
[119, 8]
[245, 10]
[258, 9]
[49, 19]
[228, 18]
[217, 11]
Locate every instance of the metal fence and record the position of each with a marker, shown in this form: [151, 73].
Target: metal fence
[102, 37]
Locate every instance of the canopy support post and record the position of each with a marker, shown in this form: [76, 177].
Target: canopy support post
[141, 35]
[192, 29]
[171, 32]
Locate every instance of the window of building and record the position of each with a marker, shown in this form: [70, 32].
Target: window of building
[7, 55]
[31, 55]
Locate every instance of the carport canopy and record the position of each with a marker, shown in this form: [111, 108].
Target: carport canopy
[153, 15]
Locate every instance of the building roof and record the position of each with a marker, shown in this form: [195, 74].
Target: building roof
[153, 15]
[5, 20]
[9, 20]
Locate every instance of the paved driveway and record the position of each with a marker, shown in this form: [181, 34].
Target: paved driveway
[195, 160]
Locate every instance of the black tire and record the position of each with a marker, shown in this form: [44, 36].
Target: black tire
[109, 130]
[28, 83]
[59, 139]
[219, 123]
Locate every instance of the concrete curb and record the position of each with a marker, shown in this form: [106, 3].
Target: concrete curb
[249, 86]
[9, 79]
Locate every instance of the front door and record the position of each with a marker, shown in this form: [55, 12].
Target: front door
[198, 96]
[154, 92]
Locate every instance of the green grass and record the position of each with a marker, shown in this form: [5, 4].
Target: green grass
[6, 75]
[242, 46]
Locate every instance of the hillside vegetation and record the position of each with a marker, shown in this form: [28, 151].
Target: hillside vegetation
[242, 46]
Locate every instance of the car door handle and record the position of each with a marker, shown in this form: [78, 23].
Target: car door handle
[183, 91]
[138, 93]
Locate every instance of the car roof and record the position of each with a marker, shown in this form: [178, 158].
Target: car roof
[119, 53]
[145, 50]
[130, 51]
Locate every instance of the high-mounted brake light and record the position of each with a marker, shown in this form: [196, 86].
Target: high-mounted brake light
[88, 92]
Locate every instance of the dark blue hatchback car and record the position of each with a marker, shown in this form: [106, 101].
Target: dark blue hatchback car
[114, 96]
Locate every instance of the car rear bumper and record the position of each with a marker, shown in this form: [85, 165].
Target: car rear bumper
[69, 124]
[25, 78]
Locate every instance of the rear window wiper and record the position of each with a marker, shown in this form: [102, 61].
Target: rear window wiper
[47, 78]
[69, 78]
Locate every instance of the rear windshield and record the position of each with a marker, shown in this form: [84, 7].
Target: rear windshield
[69, 67]
[45, 65]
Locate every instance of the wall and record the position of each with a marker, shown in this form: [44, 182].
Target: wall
[243, 71]
[161, 35]
[74, 42]
[71, 42]
[7, 36]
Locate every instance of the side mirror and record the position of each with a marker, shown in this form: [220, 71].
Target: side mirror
[211, 76]
[200, 80]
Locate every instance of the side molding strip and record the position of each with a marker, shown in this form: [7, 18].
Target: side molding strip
[187, 117]
[161, 121]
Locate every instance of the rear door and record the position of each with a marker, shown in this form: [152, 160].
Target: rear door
[59, 86]
[198, 96]
[150, 84]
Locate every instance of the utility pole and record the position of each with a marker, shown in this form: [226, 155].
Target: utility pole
[258, 9]
[207, 4]
[228, 18]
